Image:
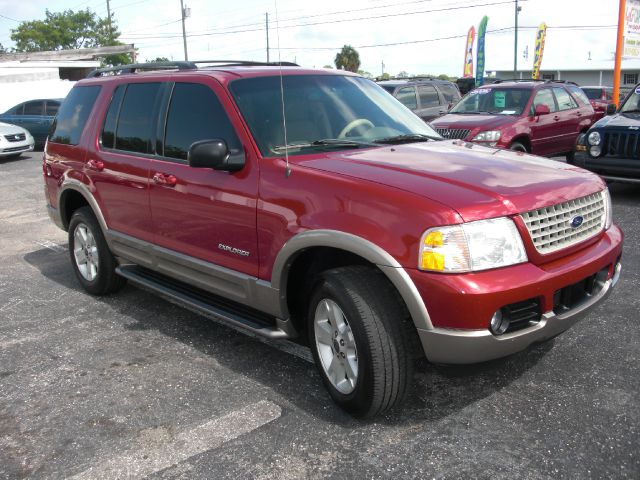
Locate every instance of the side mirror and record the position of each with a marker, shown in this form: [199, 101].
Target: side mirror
[542, 109]
[611, 109]
[214, 154]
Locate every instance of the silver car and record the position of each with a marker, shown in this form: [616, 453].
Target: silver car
[14, 141]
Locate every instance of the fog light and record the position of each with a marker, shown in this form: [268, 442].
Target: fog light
[595, 151]
[499, 323]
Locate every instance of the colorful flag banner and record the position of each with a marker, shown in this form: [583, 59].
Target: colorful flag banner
[482, 29]
[537, 56]
[468, 58]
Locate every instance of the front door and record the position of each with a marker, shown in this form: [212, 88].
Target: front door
[200, 213]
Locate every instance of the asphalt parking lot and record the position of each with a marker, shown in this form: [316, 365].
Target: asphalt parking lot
[131, 386]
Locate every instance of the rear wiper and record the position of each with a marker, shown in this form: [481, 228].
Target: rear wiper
[407, 138]
[327, 142]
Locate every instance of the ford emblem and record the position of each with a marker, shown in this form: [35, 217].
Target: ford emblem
[576, 221]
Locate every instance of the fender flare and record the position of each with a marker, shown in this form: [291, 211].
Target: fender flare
[362, 247]
[82, 189]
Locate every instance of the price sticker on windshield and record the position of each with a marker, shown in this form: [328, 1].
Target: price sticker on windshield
[480, 91]
[499, 99]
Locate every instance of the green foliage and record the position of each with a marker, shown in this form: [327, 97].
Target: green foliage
[365, 74]
[158, 59]
[2, 49]
[348, 59]
[385, 76]
[328, 66]
[64, 31]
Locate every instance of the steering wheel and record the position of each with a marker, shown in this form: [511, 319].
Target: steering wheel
[354, 124]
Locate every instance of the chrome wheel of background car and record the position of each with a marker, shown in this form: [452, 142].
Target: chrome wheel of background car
[85, 252]
[336, 346]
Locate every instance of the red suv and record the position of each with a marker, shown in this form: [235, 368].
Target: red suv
[330, 213]
[539, 117]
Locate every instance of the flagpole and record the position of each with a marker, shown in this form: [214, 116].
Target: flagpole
[619, 46]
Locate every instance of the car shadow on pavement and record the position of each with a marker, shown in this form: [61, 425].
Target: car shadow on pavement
[438, 391]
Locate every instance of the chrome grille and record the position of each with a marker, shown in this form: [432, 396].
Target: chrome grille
[457, 133]
[553, 228]
[15, 137]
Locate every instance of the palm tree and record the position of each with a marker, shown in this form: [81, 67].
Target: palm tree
[348, 59]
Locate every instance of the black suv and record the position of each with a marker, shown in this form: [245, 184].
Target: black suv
[611, 147]
[426, 97]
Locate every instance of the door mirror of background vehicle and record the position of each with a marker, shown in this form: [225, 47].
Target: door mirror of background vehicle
[542, 109]
[214, 154]
[611, 109]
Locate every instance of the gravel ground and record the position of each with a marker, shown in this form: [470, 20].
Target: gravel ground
[130, 386]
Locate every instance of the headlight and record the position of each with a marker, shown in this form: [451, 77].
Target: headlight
[595, 151]
[594, 138]
[608, 211]
[488, 136]
[471, 246]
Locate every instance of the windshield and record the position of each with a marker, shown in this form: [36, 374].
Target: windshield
[323, 112]
[504, 101]
[593, 93]
[632, 103]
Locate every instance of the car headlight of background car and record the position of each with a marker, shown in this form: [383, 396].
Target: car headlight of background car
[471, 246]
[488, 136]
[594, 139]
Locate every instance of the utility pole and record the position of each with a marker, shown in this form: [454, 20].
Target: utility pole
[382, 68]
[515, 45]
[109, 17]
[184, 32]
[619, 47]
[266, 22]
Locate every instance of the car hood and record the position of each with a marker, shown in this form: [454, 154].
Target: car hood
[471, 121]
[7, 128]
[619, 120]
[478, 182]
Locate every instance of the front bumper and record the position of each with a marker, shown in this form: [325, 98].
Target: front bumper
[611, 168]
[460, 306]
[9, 149]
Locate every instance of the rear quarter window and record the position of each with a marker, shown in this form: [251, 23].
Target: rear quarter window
[73, 114]
[449, 92]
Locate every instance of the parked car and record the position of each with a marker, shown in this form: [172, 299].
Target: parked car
[599, 97]
[14, 141]
[539, 117]
[611, 147]
[35, 115]
[357, 229]
[426, 97]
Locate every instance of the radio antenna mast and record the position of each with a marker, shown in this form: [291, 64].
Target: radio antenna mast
[287, 170]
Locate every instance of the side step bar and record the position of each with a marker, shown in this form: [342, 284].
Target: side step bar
[203, 303]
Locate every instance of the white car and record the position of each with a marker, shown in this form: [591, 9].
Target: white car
[14, 141]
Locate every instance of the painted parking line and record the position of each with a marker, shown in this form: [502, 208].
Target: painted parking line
[148, 459]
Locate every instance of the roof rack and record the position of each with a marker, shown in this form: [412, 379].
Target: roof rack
[502, 80]
[181, 65]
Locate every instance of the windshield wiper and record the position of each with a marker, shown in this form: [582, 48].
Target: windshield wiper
[407, 138]
[633, 110]
[327, 142]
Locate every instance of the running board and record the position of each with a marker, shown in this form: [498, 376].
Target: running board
[203, 303]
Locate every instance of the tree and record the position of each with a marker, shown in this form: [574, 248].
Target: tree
[348, 59]
[159, 59]
[69, 30]
[403, 74]
[365, 74]
[2, 49]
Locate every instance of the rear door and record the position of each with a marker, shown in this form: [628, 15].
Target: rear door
[568, 123]
[544, 133]
[430, 104]
[200, 212]
[407, 96]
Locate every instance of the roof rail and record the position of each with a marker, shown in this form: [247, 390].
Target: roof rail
[181, 65]
[502, 80]
[561, 81]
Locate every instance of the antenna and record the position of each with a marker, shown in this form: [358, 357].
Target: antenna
[287, 170]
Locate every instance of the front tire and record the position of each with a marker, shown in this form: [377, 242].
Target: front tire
[93, 263]
[358, 339]
[518, 147]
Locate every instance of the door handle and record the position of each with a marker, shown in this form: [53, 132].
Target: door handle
[95, 165]
[556, 117]
[165, 180]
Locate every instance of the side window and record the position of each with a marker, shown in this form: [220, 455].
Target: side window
[19, 110]
[428, 96]
[577, 92]
[52, 108]
[565, 102]
[407, 96]
[450, 93]
[195, 113]
[136, 122]
[33, 108]
[73, 114]
[545, 97]
[108, 136]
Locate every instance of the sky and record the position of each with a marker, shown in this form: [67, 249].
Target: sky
[413, 36]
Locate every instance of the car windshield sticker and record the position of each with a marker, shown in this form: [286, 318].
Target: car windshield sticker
[479, 91]
[508, 112]
[638, 90]
[499, 99]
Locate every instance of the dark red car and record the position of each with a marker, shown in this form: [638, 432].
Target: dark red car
[331, 213]
[599, 97]
[539, 117]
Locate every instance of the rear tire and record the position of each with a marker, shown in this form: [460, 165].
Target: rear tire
[359, 343]
[93, 263]
[518, 147]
